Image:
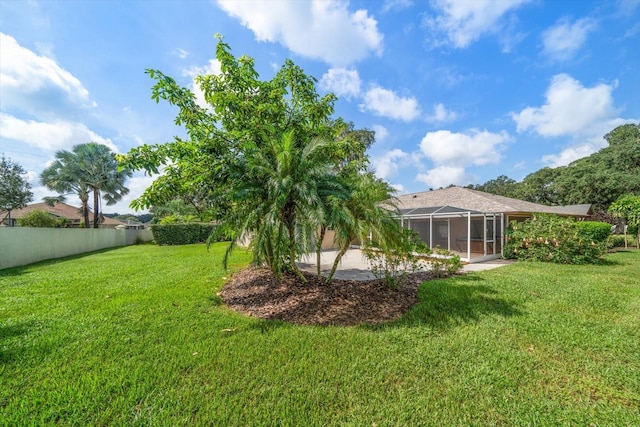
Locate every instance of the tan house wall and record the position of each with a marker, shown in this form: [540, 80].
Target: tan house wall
[25, 245]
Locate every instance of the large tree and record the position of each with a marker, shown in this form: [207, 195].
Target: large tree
[89, 168]
[15, 190]
[502, 186]
[267, 155]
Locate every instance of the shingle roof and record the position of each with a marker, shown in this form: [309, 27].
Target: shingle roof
[474, 200]
[434, 210]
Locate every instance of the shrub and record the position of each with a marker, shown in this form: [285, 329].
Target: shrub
[617, 241]
[179, 219]
[393, 266]
[595, 231]
[413, 256]
[551, 238]
[41, 218]
[443, 263]
[181, 234]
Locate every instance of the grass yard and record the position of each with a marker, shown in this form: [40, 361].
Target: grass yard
[137, 336]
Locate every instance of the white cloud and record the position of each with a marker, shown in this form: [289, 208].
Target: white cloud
[584, 114]
[381, 132]
[385, 103]
[441, 114]
[320, 29]
[341, 82]
[180, 53]
[27, 78]
[212, 67]
[396, 5]
[399, 188]
[477, 147]
[386, 165]
[443, 176]
[136, 185]
[568, 155]
[461, 22]
[564, 39]
[49, 136]
[570, 108]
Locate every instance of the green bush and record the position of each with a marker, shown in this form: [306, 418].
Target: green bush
[598, 232]
[412, 256]
[181, 234]
[443, 263]
[393, 266]
[41, 218]
[551, 238]
[617, 241]
[179, 219]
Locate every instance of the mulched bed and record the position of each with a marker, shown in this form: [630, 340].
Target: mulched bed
[257, 292]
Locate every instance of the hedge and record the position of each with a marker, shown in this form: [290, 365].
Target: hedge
[597, 232]
[181, 234]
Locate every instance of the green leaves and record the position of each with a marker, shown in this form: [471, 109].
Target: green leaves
[551, 238]
[89, 167]
[15, 190]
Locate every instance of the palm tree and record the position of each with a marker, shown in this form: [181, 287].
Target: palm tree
[65, 175]
[100, 170]
[277, 190]
[369, 214]
[90, 167]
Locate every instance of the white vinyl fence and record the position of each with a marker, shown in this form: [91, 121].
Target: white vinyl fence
[24, 245]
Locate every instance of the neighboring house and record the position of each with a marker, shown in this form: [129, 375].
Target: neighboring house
[59, 210]
[131, 225]
[468, 222]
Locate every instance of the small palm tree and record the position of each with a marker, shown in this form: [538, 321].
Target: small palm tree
[369, 214]
[280, 186]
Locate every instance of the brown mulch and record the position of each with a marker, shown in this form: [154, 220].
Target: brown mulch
[257, 292]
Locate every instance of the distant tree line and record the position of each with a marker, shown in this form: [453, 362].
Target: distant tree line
[599, 179]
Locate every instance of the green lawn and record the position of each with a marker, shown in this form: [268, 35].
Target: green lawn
[137, 336]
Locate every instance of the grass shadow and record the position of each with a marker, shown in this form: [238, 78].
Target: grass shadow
[445, 303]
[9, 353]
[22, 269]
[267, 325]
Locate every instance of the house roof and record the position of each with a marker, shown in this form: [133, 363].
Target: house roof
[435, 210]
[479, 201]
[60, 210]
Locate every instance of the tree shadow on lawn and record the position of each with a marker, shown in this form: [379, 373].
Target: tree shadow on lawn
[445, 303]
[9, 353]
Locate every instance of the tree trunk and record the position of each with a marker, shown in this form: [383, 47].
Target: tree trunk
[292, 253]
[96, 204]
[336, 262]
[323, 230]
[85, 212]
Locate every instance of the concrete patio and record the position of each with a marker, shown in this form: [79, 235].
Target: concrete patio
[354, 265]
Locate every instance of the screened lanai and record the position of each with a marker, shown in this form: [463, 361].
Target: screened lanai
[473, 235]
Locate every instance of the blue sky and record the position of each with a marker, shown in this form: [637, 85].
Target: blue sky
[458, 91]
